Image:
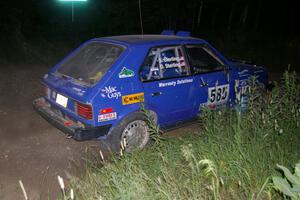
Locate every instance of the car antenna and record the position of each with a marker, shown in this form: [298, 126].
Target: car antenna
[141, 18]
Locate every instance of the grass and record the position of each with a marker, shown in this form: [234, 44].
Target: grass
[233, 157]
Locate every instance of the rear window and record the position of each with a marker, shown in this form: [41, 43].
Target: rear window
[91, 62]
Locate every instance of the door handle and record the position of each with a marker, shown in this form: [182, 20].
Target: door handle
[156, 94]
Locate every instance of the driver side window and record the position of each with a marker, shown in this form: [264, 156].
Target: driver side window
[203, 60]
[164, 63]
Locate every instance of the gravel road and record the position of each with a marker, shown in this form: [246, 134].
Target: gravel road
[31, 150]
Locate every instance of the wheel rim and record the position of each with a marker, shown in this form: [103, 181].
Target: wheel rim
[136, 135]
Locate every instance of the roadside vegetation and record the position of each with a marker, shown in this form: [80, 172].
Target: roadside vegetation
[234, 156]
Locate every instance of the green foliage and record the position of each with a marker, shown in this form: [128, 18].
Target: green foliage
[290, 184]
[232, 157]
[155, 132]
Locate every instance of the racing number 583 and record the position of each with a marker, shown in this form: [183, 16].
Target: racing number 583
[218, 93]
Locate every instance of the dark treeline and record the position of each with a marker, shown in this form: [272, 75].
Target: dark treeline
[51, 18]
[25, 22]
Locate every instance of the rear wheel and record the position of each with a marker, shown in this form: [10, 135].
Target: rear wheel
[133, 131]
[135, 135]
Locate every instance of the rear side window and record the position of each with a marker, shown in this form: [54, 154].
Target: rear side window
[91, 62]
[203, 60]
[164, 63]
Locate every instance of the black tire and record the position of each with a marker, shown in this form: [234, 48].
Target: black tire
[135, 123]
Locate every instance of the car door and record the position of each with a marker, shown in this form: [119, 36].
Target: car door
[168, 85]
[211, 78]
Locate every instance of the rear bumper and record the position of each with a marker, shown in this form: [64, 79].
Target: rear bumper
[77, 130]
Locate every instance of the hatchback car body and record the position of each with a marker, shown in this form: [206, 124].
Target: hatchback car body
[98, 90]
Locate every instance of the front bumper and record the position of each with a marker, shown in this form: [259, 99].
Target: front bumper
[77, 130]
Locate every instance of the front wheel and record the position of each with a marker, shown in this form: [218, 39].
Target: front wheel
[133, 131]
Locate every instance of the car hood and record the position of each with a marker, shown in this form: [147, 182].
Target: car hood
[246, 69]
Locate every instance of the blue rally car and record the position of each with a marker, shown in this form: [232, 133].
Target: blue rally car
[98, 90]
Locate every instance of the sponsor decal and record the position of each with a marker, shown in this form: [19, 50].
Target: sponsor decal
[126, 73]
[133, 98]
[212, 106]
[172, 62]
[245, 90]
[174, 83]
[243, 72]
[79, 91]
[172, 59]
[106, 110]
[110, 92]
[242, 89]
[259, 71]
[107, 117]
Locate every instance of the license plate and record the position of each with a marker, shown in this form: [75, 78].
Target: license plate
[61, 100]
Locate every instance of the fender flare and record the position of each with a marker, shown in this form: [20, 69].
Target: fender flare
[152, 114]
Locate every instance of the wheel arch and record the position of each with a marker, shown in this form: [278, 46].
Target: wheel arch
[152, 114]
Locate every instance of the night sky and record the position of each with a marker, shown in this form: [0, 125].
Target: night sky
[260, 22]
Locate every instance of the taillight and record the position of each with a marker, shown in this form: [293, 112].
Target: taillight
[84, 110]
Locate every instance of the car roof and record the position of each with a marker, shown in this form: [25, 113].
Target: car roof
[151, 39]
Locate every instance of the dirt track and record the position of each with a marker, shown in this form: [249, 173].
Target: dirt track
[32, 150]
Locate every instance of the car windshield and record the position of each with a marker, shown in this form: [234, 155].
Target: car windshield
[91, 62]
